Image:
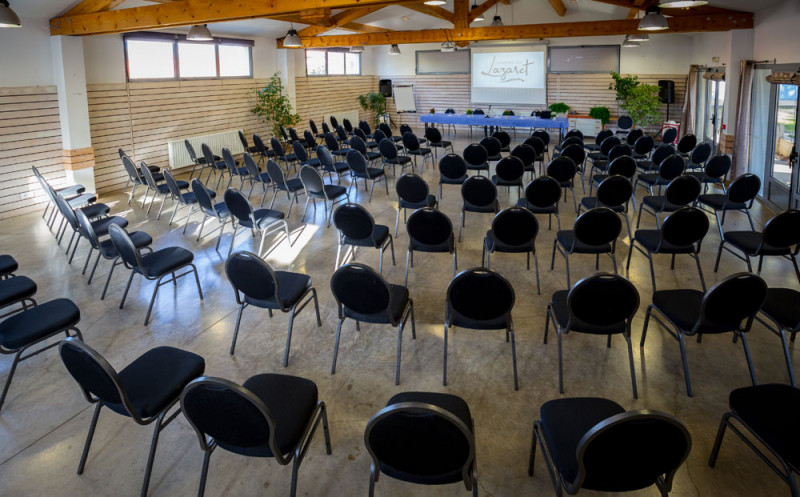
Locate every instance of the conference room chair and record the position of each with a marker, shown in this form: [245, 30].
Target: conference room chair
[390, 156]
[538, 147]
[269, 415]
[615, 193]
[452, 171]
[424, 438]
[493, 147]
[782, 313]
[601, 304]
[334, 122]
[541, 197]
[681, 233]
[342, 135]
[325, 128]
[288, 160]
[563, 169]
[378, 136]
[513, 231]
[264, 153]
[476, 157]
[347, 125]
[364, 127]
[69, 192]
[508, 173]
[292, 186]
[602, 163]
[284, 137]
[679, 193]
[668, 137]
[698, 156]
[450, 126]
[504, 138]
[303, 159]
[233, 168]
[633, 135]
[413, 149]
[368, 142]
[727, 307]
[764, 416]
[594, 232]
[17, 290]
[135, 178]
[643, 147]
[311, 142]
[330, 165]
[197, 161]
[7, 266]
[356, 143]
[740, 196]
[179, 198]
[594, 444]
[527, 155]
[359, 168]
[316, 189]
[598, 140]
[566, 142]
[243, 215]
[412, 193]
[715, 172]
[365, 296]
[480, 299]
[154, 266]
[405, 128]
[656, 158]
[246, 146]
[601, 156]
[479, 195]
[669, 169]
[256, 284]
[154, 169]
[313, 126]
[621, 166]
[213, 164]
[294, 138]
[543, 135]
[333, 146]
[387, 130]
[85, 201]
[435, 141]
[100, 226]
[210, 209]
[159, 189]
[357, 228]
[685, 145]
[146, 390]
[254, 175]
[430, 230]
[781, 238]
[624, 125]
[578, 155]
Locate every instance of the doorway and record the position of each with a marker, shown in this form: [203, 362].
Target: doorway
[782, 185]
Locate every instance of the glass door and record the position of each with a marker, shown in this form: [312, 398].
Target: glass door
[783, 188]
[714, 109]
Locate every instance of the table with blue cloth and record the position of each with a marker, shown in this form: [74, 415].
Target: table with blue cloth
[491, 123]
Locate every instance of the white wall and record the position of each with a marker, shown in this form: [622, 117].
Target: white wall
[776, 33]
[25, 54]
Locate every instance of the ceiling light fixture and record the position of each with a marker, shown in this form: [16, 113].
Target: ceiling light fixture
[681, 4]
[292, 39]
[479, 17]
[357, 49]
[394, 50]
[653, 20]
[8, 18]
[638, 37]
[628, 43]
[434, 2]
[497, 21]
[200, 33]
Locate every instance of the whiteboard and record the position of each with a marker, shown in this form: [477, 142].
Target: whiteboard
[583, 59]
[404, 98]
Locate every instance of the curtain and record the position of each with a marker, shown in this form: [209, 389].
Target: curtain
[689, 113]
[741, 143]
[759, 125]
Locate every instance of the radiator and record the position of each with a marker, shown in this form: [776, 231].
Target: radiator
[351, 115]
[179, 156]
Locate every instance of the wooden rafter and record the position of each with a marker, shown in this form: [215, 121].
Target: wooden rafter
[91, 6]
[342, 20]
[363, 28]
[431, 10]
[686, 24]
[635, 9]
[460, 14]
[482, 8]
[559, 7]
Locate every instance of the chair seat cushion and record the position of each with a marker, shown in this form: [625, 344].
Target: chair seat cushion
[313, 162]
[261, 178]
[400, 159]
[567, 237]
[548, 209]
[478, 167]
[338, 167]
[292, 185]
[783, 305]
[102, 225]
[15, 289]
[648, 179]
[493, 244]
[592, 202]
[444, 180]
[334, 191]
[140, 239]
[448, 245]
[504, 182]
[372, 172]
[494, 206]
[372, 156]
[650, 239]
[291, 286]
[157, 378]
[561, 311]
[38, 323]
[264, 219]
[682, 307]
[430, 201]
[7, 264]
[703, 178]
[95, 210]
[221, 210]
[443, 143]
[399, 301]
[660, 203]
[565, 422]
[71, 191]
[82, 199]
[717, 202]
[165, 261]
[380, 233]
[749, 242]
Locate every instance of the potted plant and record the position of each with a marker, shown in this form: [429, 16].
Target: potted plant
[560, 109]
[374, 101]
[433, 111]
[601, 113]
[273, 107]
[643, 105]
[623, 85]
[508, 112]
[469, 112]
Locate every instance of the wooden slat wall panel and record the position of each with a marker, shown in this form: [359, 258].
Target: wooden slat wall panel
[30, 135]
[319, 95]
[142, 117]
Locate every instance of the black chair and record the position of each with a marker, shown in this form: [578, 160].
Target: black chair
[263, 152]
[741, 194]
[669, 169]
[476, 157]
[715, 172]
[197, 161]
[508, 173]
[601, 156]
[413, 148]
[233, 168]
[782, 310]
[541, 197]
[154, 266]
[479, 195]
[452, 171]
[405, 128]
[595, 444]
[765, 415]
[146, 390]
[727, 307]
[301, 152]
[504, 138]
[685, 145]
[435, 141]
[563, 169]
[213, 164]
[594, 232]
[598, 140]
[294, 137]
[781, 237]
[656, 158]
[210, 209]
[365, 296]
[35, 325]
[614, 193]
[669, 136]
[100, 226]
[311, 142]
[347, 125]
[330, 165]
[246, 146]
[679, 193]
[363, 126]
[602, 304]
[387, 130]
[7, 266]
[134, 179]
[243, 215]
[430, 230]
[621, 166]
[255, 175]
[602, 163]
[179, 198]
[527, 155]
[316, 188]
[356, 143]
[256, 284]
[624, 124]
[681, 233]
[513, 231]
[424, 438]
[280, 155]
[388, 151]
[325, 128]
[538, 147]
[698, 157]
[578, 155]
[480, 299]
[545, 137]
[158, 189]
[334, 121]
[357, 228]
[370, 144]
[342, 135]
[493, 148]
[292, 186]
[412, 193]
[633, 135]
[360, 169]
[643, 147]
[313, 126]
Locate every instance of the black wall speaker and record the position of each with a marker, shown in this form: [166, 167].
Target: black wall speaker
[385, 87]
[666, 91]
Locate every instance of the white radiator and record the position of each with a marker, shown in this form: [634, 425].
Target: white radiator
[351, 115]
[179, 156]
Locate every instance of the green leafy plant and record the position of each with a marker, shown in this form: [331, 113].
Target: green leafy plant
[273, 107]
[469, 112]
[559, 108]
[601, 113]
[508, 112]
[433, 111]
[643, 105]
[623, 85]
[374, 101]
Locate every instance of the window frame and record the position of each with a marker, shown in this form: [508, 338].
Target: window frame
[344, 51]
[175, 39]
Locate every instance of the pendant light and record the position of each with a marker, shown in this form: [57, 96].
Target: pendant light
[357, 49]
[394, 50]
[638, 37]
[434, 2]
[199, 33]
[497, 21]
[479, 16]
[681, 4]
[628, 43]
[653, 20]
[292, 39]
[8, 18]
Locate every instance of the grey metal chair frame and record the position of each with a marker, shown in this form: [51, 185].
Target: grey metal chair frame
[207, 213]
[410, 252]
[388, 244]
[277, 225]
[322, 194]
[487, 253]
[565, 251]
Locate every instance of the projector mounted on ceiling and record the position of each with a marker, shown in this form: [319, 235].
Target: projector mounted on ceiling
[448, 46]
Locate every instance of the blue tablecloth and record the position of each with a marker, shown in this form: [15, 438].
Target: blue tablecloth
[502, 121]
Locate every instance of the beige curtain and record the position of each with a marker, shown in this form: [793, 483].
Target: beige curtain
[741, 143]
[689, 113]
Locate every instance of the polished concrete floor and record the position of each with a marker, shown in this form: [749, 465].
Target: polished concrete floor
[45, 418]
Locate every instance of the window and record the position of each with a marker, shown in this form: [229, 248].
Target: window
[332, 63]
[169, 56]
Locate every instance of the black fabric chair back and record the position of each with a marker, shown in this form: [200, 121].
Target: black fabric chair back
[536, 144]
[669, 136]
[86, 229]
[334, 121]
[450, 111]
[190, 150]
[386, 129]
[662, 153]
[683, 190]
[172, 185]
[238, 205]
[542, 135]
[783, 230]
[259, 144]
[249, 164]
[562, 169]
[405, 128]
[687, 144]
[686, 226]
[312, 180]
[734, 300]
[429, 226]
[331, 142]
[359, 133]
[230, 162]
[356, 161]
[313, 126]
[387, 148]
[310, 140]
[480, 294]
[608, 144]
[700, 154]
[671, 167]
[510, 169]
[601, 136]
[475, 154]
[293, 135]
[249, 275]
[572, 140]
[478, 112]
[275, 173]
[201, 193]
[614, 191]
[433, 135]
[378, 136]
[300, 152]
[325, 157]
[276, 146]
[360, 289]
[412, 188]
[452, 166]
[644, 145]
[525, 153]
[744, 188]
[341, 134]
[353, 221]
[325, 128]
[410, 141]
[283, 133]
[515, 226]
[147, 174]
[364, 126]
[604, 299]
[718, 166]
[478, 191]
[597, 226]
[624, 165]
[93, 373]
[208, 155]
[544, 191]
[125, 247]
[574, 132]
[130, 168]
[575, 152]
[634, 135]
[624, 122]
[64, 208]
[503, 137]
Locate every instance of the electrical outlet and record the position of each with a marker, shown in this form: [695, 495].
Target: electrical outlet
[25, 195]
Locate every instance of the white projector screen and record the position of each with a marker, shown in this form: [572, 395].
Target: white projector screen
[509, 75]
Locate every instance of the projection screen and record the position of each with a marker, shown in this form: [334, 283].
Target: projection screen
[509, 75]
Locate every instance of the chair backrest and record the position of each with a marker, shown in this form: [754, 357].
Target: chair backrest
[686, 226]
[644, 145]
[259, 144]
[429, 226]
[361, 289]
[575, 152]
[387, 148]
[251, 276]
[480, 294]
[169, 179]
[718, 166]
[450, 111]
[503, 137]
[478, 191]
[624, 122]
[125, 247]
[325, 157]
[614, 191]
[312, 180]
[360, 134]
[275, 173]
[364, 126]
[131, 169]
[624, 165]
[683, 190]
[544, 191]
[571, 140]
[478, 112]
[597, 226]
[410, 141]
[203, 197]
[602, 136]
[331, 142]
[300, 152]
[325, 127]
[238, 205]
[562, 169]
[208, 155]
[452, 166]
[669, 136]
[542, 135]
[510, 168]
[671, 167]
[190, 150]
[63, 206]
[334, 121]
[732, 301]
[293, 134]
[283, 133]
[276, 146]
[356, 161]
[661, 153]
[357, 143]
[405, 128]
[525, 153]
[243, 141]
[86, 229]
[378, 136]
[147, 174]
[608, 144]
[536, 144]
[603, 299]
[634, 135]
[230, 162]
[433, 134]
[783, 230]
[250, 165]
[353, 221]
[515, 226]
[687, 144]
[744, 188]
[348, 126]
[411, 188]
[313, 126]
[311, 142]
[700, 154]
[574, 132]
[475, 154]
[385, 129]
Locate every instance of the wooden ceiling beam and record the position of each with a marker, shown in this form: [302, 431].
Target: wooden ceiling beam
[92, 6]
[482, 8]
[559, 7]
[532, 31]
[342, 19]
[363, 28]
[431, 10]
[460, 14]
[317, 17]
[687, 12]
